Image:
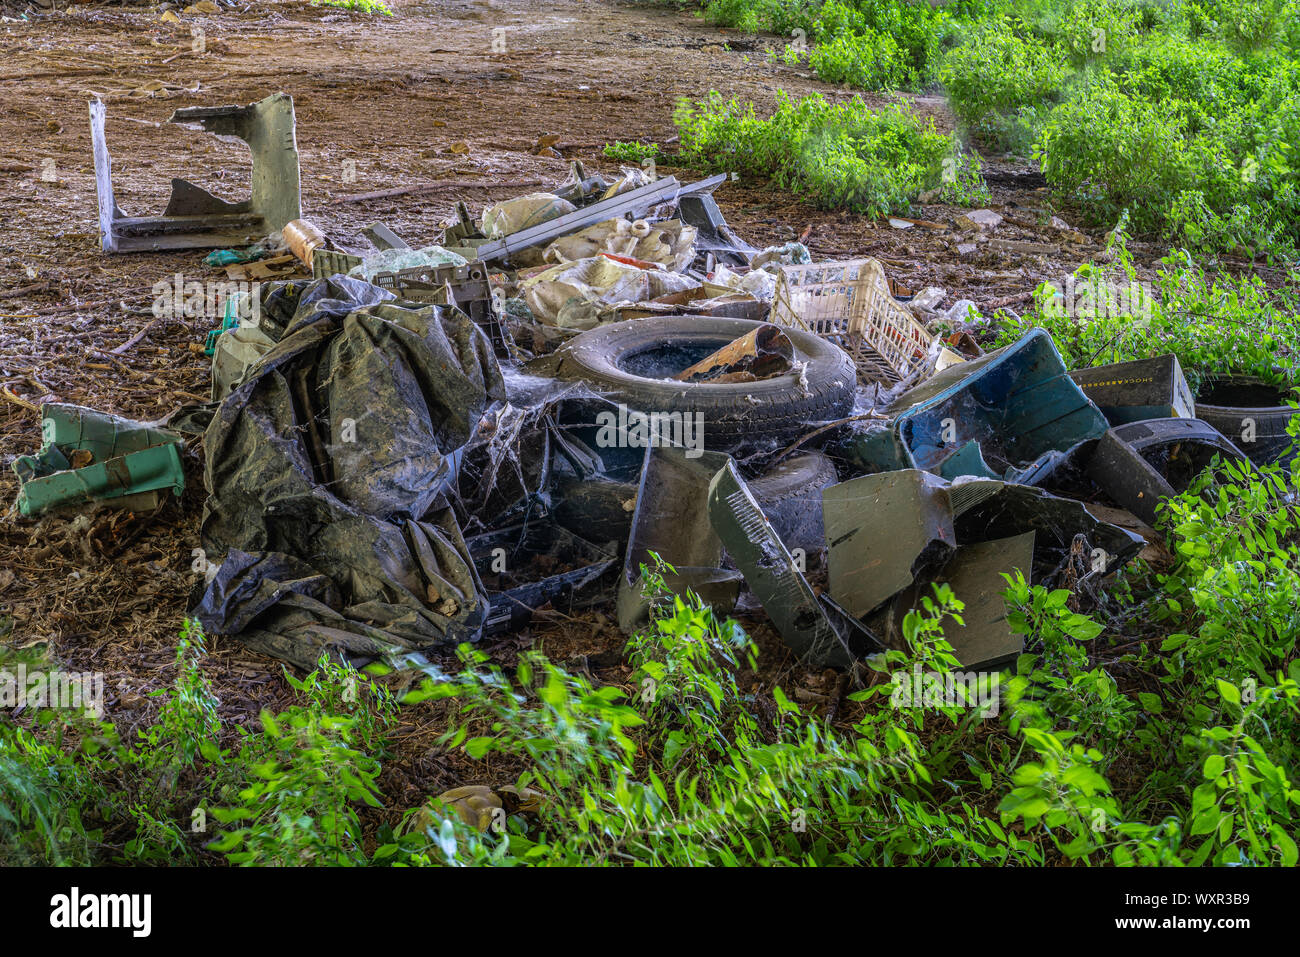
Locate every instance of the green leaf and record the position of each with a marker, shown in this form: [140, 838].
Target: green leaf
[1228, 691]
[1151, 702]
[1214, 765]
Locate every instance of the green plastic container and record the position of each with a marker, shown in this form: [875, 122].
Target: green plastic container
[133, 462]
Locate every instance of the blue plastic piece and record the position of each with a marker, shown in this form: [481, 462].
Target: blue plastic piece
[1005, 411]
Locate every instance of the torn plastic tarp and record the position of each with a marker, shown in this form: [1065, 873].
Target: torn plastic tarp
[328, 473]
[507, 467]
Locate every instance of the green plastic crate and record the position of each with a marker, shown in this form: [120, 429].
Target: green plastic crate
[131, 462]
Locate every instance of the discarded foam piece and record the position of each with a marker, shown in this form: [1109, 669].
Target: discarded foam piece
[1017, 403]
[671, 519]
[1142, 463]
[1143, 389]
[510, 562]
[132, 464]
[817, 629]
[194, 218]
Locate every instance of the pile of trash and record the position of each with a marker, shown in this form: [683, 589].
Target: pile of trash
[418, 447]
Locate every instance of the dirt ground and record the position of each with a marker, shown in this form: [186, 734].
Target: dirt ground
[416, 99]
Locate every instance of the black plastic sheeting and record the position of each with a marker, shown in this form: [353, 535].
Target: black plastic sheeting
[330, 472]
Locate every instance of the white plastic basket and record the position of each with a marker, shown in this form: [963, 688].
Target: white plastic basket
[849, 303]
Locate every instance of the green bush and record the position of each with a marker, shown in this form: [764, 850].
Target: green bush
[997, 72]
[1216, 325]
[869, 61]
[837, 155]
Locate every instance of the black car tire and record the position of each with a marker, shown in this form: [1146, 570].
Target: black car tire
[734, 414]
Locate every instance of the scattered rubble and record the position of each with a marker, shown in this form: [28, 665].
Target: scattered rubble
[424, 446]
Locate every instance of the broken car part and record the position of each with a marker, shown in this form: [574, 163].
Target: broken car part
[820, 632]
[892, 534]
[672, 521]
[985, 638]
[714, 237]
[1142, 463]
[526, 567]
[790, 495]
[194, 218]
[883, 532]
[1016, 403]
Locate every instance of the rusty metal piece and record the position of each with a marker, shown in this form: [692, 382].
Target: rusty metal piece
[194, 218]
[760, 354]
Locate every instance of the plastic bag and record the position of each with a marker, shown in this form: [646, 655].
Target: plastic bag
[670, 244]
[511, 216]
[391, 260]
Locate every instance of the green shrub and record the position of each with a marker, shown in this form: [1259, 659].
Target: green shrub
[633, 153]
[1216, 325]
[998, 72]
[868, 61]
[837, 155]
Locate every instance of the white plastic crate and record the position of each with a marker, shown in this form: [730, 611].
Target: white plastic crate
[849, 303]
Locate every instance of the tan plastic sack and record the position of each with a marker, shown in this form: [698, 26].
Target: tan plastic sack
[571, 294]
[670, 244]
[632, 178]
[512, 215]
